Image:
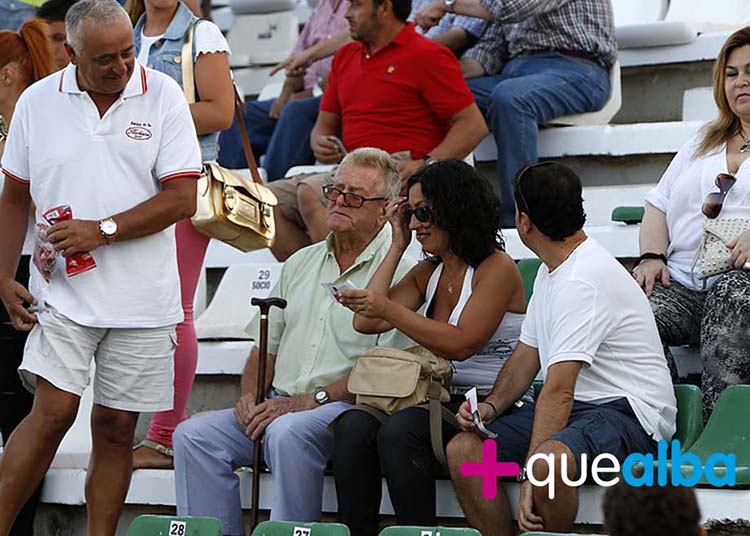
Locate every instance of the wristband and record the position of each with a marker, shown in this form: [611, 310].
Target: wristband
[494, 410]
[649, 256]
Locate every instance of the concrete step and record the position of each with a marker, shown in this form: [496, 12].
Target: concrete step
[155, 488]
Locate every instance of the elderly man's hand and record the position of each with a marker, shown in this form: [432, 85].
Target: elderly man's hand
[244, 408]
[262, 415]
[13, 295]
[430, 15]
[75, 236]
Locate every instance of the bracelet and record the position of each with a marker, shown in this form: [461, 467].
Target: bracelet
[647, 256]
[494, 410]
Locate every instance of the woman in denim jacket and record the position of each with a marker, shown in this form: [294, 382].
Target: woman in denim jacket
[161, 28]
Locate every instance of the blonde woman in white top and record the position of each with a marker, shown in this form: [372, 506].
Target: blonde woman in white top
[473, 301]
[709, 177]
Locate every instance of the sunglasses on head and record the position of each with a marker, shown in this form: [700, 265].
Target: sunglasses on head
[423, 213]
[715, 200]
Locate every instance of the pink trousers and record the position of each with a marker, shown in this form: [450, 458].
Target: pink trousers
[191, 250]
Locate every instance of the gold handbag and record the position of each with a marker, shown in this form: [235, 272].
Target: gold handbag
[230, 208]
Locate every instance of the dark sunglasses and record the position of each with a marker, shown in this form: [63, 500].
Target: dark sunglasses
[715, 200]
[352, 200]
[423, 214]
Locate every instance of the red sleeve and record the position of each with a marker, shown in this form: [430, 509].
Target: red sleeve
[330, 102]
[443, 85]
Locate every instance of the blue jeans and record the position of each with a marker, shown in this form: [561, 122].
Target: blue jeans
[592, 429]
[531, 90]
[286, 142]
[14, 13]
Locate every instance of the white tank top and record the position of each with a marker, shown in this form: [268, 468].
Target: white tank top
[481, 369]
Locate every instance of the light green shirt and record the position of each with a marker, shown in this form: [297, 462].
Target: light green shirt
[313, 338]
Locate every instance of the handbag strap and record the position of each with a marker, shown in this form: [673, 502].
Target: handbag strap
[188, 86]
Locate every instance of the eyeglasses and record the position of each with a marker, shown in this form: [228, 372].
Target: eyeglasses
[352, 200]
[423, 213]
[715, 200]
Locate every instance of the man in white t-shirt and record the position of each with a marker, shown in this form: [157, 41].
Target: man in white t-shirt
[590, 330]
[107, 151]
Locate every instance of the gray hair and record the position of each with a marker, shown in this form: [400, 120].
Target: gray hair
[96, 11]
[378, 159]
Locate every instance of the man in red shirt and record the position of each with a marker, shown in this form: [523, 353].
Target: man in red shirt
[390, 88]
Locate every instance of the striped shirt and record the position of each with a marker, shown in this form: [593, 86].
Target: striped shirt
[525, 26]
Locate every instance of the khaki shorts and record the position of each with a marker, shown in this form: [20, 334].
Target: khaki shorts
[134, 367]
[286, 192]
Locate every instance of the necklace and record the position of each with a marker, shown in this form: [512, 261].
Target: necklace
[3, 129]
[450, 283]
[744, 148]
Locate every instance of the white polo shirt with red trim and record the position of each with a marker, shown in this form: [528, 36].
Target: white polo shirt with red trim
[68, 155]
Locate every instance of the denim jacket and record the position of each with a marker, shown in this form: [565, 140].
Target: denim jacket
[166, 56]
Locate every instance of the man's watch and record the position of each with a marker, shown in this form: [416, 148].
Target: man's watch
[449, 5]
[521, 477]
[321, 397]
[108, 229]
[428, 159]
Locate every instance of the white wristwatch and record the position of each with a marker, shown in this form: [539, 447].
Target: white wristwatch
[108, 229]
[321, 397]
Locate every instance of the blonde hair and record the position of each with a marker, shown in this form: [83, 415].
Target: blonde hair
[721, 129]
[135, 9]
[370, 157]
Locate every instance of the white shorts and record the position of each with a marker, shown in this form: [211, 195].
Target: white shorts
[134, 367]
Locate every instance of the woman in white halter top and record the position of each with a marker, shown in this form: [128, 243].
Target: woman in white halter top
[465, 302]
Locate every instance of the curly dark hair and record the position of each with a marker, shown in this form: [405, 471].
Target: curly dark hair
[551, 195]
[464, 205]
[651, 511]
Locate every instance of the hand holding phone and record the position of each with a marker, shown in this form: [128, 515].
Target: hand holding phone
[338, 143]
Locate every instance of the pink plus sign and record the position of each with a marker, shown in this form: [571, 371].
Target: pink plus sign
[489, 469]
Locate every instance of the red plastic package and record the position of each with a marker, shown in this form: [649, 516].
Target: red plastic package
[80, 262]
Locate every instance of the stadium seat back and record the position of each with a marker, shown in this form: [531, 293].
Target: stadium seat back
[628, 215]
[528, 269]
[429, 531]
[148, 525]
[728, 431]
[292, 528]
[689, 414]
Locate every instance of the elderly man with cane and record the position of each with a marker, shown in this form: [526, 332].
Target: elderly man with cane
[311, 346]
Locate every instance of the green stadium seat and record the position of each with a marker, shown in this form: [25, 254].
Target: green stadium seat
[628, 215]
[292, 528]
[148, 525]
[528, 269]
[429, 531]
[689, 414]
[555, 534]
[727, 431]
[537, 385]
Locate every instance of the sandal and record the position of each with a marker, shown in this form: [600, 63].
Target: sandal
[158, 447]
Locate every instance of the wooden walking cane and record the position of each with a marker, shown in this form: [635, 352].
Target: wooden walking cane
[265, 305]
